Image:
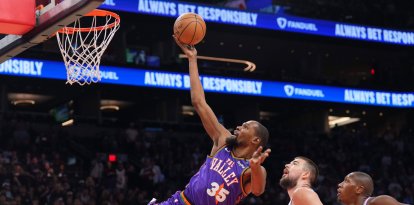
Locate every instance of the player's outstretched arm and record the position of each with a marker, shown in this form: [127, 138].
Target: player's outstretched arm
[214, 129]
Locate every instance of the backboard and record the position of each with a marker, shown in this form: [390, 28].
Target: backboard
[52, 17]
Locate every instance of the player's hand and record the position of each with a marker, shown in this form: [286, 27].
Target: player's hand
[189, 51]
[259, 157]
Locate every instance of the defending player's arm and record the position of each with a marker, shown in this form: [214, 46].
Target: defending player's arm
[384, 200]
[257, 172]
[214, 129]
[305, 196]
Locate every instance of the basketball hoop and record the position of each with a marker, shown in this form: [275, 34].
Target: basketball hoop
[82, 46]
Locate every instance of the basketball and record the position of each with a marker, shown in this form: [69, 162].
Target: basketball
[189, 28]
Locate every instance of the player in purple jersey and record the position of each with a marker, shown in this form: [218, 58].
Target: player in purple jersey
[234, 167]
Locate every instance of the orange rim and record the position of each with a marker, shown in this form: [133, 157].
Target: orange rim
[96, 12]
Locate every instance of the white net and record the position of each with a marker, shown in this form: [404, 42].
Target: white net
[83, 46]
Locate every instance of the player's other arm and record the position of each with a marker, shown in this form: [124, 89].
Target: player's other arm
[255, 182]
[256, 174]
[305, 196]
[385, 200]
[214, 129]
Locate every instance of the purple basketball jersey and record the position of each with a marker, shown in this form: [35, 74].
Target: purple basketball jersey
[219, 180]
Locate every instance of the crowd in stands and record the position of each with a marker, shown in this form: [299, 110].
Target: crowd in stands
[46, 167]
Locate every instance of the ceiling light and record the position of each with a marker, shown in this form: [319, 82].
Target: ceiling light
[187, 110]
[340, 121]
[109, 107]
[68, 122]
[114, 105]
[27, 98]
[23, 102]
[189, 113]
